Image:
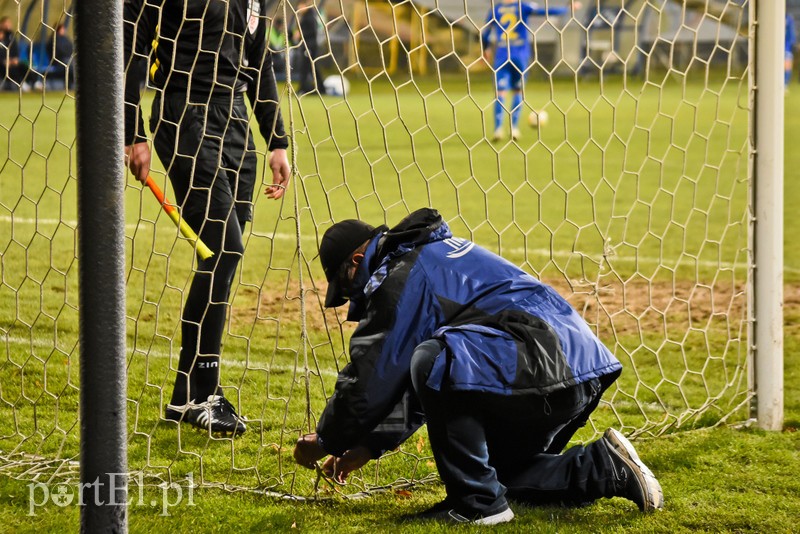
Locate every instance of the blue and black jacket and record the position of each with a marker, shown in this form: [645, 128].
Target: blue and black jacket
[505, 333]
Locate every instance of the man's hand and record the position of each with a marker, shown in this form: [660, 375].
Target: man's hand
[340, 468]
[281, 174]
[308, 450]
[137, 156]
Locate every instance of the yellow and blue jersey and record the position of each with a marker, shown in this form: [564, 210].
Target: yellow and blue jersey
[507, 26]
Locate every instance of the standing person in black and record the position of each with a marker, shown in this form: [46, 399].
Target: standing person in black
[306, 33]
[61, 48]
[12, 69]
[204, 56]
[5, 52]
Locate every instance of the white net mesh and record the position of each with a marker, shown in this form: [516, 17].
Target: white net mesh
[627, 189]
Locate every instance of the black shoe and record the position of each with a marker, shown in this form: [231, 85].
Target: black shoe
[444, 511]
[216, 414]
[441, 506]
[634, 480]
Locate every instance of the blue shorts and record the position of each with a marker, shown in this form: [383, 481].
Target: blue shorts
[509, 75]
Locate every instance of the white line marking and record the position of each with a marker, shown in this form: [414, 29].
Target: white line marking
[517, 250]
[48, 344]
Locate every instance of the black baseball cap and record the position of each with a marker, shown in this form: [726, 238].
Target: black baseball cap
[338, 243]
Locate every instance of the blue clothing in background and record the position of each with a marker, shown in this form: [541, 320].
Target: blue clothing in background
[507, 26]
[790, 42]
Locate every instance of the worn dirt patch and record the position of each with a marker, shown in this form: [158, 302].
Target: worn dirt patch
[639, 306]
[615, 307]
[284, 303]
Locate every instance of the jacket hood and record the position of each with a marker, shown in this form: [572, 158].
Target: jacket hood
[418, 228]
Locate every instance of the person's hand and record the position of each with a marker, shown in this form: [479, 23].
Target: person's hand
[340, 468]
[307, 451]
[137, 156]
[576, 6]
[281, 174]
[487, 55]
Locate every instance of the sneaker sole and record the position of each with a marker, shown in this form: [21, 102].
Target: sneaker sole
[205, 426]
[440, 513]
[215, 432]
[654, 496]
[503, 517]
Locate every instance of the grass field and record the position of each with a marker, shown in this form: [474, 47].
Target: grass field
[632, 201]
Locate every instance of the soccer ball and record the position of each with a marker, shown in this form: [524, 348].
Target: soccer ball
[336, 85]
[537, 119]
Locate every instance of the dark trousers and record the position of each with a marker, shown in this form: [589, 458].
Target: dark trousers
[209, 155]
[61, 74]
[488, 447]
[16, 76]
[308, 72]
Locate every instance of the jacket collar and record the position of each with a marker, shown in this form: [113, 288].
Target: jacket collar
[417, 229]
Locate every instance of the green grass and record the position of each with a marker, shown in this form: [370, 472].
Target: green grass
[632, 201]
[719, 480]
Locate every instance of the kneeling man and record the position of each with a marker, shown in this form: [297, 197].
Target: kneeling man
[498, 365]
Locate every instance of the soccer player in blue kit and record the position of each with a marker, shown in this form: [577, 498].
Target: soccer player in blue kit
[507, 30]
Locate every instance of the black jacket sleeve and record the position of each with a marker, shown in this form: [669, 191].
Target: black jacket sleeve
[399, 316]
[139, 24]
[405, 418]
[263, 92]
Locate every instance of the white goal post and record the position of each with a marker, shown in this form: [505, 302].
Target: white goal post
[768, 147]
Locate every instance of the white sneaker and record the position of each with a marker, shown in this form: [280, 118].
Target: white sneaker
[633, 479]
[499, 134]
[502, 517]
[515, 134]
[445, 513]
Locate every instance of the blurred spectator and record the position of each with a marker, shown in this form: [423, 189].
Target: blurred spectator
[276, 40]
[276, 35]
[12, 70]
[5, 42]
[61, 65]
[790, 43]
[306, 33]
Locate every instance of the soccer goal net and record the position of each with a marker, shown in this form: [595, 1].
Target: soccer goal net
[625, 183]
